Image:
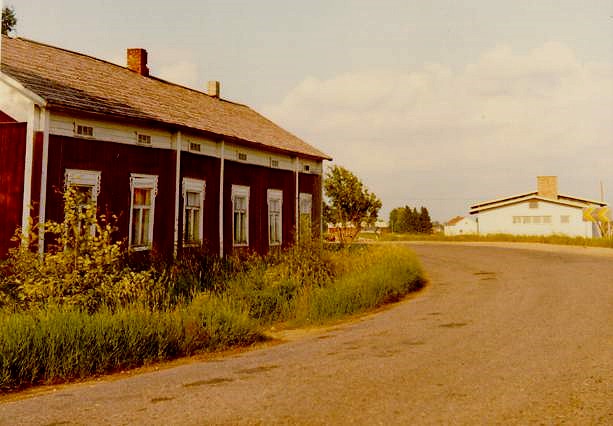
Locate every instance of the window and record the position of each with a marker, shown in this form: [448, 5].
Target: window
[194, 147]
[565, 219]
[516, 219]
[533, 205]
[82, 130]
[193, 210]
[306, 205]
[143, 139]
[546, 219]
[86, 184]
[241, 156]
[240, 215]
[143, 190]
[275, 223]
[274, 163]
[526, 219]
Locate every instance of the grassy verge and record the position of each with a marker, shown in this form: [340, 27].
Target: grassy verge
[546, 239]
[375, 277]
[55, 342]
[61, 343]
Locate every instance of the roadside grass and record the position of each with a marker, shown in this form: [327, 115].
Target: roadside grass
[58, 344]
[375, 277]
[546, 239]
[200, 304]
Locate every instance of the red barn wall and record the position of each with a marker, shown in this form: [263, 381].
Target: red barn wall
[12, 164]
[5, 118]
[116, 162]
[259, 180]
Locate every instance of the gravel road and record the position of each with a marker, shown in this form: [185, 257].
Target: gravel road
[501, 335]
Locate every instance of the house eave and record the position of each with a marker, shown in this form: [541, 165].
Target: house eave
[173, 126]
[33, 97]
[511, 201]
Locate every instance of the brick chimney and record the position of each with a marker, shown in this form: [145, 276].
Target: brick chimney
[547, 186]
[137, 61]
[214, 89]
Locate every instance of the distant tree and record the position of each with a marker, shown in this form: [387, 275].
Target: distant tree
[425, 223]
[395, 218]
[350, 203]
[9, 20]
[408, 220]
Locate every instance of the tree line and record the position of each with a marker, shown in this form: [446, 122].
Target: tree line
[408, 220]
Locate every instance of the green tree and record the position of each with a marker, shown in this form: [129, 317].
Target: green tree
[9, 20]
[350, 203]
[410, 220]
[425, 223]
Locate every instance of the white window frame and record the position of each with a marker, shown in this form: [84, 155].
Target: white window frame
[275, 195]
[142, 181]
[84, 178]
[198, 186]
[239, 191]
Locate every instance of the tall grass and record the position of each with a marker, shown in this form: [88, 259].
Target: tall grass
[373, 277]
[198, 304]
[62, 343]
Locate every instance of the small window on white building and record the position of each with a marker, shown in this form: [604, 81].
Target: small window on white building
[526, 219]
[86, 184]
[275, 220]
[536, 219]
[516, 219]
[83, 130]
[565, 219]
[546, 219]
[534, 204]
[240, 215]
[143, 189]
[305, 208]
[193, 211]
[143, 139]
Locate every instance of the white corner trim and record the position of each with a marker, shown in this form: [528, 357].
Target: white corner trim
[178, 141]
[221, 197]
[38, 100]
[42, 206]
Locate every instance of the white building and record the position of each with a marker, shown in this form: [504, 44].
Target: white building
[460, 225]
[542, 212]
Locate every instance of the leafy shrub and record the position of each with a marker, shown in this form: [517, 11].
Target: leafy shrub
[82, 266]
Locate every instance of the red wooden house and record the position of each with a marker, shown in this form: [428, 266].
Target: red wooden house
[179, 167]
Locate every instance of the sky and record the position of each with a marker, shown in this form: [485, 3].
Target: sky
[434, 103]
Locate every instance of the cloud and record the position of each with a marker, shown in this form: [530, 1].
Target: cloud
[446, 137]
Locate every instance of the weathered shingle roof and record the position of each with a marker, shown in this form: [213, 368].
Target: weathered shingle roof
[69, 80]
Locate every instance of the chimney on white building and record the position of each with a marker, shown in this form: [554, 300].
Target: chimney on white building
[547, 186]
